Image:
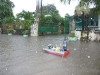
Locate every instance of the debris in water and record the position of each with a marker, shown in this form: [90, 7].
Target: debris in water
[74, 49]
[88, 56]
[36, 51]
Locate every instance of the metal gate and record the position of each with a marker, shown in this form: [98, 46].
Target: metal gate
[48, 27]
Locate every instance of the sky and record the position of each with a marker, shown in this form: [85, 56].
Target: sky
[30, 5]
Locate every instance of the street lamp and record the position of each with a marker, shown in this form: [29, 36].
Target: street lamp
[41, 7]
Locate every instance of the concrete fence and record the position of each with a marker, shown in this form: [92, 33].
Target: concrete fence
[92, 36]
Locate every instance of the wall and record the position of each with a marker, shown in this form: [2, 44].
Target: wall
[93, 35]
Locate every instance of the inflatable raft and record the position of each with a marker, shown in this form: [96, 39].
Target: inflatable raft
[60, 52]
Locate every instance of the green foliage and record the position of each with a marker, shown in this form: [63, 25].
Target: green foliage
[48, 9]
[26, 15]
[55, 17]
[50, 15]
[25, 18]
[18, 23]
[7, 20]
[81, 7]
[9, 30]
[25, 32]
[6, 9]
[27, 24]
[72, 35]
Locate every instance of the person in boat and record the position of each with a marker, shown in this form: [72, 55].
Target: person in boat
[56, 48]
[50, 46]
[65, 45]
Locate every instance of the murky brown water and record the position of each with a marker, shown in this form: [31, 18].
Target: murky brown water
[24, 56]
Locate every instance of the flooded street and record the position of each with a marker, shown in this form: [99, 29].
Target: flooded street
[25, 56]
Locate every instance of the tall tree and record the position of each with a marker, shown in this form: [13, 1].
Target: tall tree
[6, 7]
[26, 15]
[50, 14]
[49, 8]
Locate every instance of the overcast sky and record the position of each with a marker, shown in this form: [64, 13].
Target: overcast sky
[30, 5]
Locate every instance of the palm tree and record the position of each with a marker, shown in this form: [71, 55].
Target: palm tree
[26, 15]
[26, 18]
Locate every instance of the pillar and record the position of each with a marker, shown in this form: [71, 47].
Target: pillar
[99, 22]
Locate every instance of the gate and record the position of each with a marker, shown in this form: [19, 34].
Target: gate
[48, 27]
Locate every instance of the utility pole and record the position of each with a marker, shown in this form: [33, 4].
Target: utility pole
[41, 7]
[82, 24]
[34, 27]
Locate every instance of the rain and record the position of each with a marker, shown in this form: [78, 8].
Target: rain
[25, 56]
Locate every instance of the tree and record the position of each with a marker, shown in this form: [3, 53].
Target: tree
[25, 18]
[6, 7]
[8, 20]
[26, 15]
[82, 8]
[50, 14]
[48, 9]
[83, 11]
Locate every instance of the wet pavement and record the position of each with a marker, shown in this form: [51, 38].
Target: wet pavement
[24, 56]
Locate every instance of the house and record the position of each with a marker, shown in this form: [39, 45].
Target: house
[91, 22]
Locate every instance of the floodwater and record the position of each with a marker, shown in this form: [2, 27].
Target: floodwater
[24, 56]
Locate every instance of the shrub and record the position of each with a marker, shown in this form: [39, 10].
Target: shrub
[9, 30]
[25, 32]
[72, 35]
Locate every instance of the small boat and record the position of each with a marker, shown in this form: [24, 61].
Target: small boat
[60, 52]
[57, 50]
